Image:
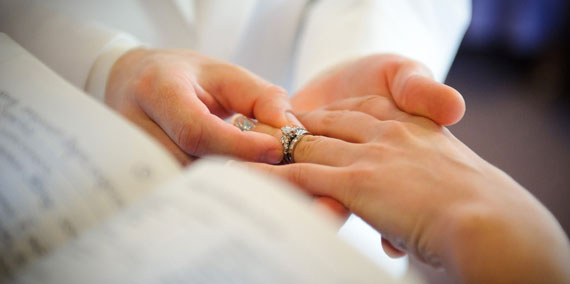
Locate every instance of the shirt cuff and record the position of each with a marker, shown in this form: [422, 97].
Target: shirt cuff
[99, 73]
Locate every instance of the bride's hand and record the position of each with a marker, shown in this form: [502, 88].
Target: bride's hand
[427, 193]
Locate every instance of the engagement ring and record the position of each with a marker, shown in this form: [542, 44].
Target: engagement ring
[291, 136]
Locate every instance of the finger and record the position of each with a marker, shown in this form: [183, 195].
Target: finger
[382, 108]
[416, 92]
[191, 126]
[351, 126]
[318, 180]
[316, 149]
[390, 250]
[241, 91]
[328, 204]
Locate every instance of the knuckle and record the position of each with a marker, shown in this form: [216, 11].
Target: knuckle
[394, 129]
[331, 118]
[376, 148]
[189, 138]
[274, 97]
[155, 81]
[276, 91]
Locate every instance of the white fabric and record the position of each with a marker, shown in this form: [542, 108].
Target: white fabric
[285, 41]
[336, 30]
[97, 80]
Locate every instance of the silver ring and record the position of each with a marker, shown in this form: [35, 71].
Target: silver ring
[291, 136]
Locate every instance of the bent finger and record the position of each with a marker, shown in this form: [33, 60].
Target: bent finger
[318, 180]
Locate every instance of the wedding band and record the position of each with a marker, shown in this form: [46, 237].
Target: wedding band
[291, 136]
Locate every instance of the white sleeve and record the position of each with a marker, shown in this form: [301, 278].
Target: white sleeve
[81, 52]
[336, 30]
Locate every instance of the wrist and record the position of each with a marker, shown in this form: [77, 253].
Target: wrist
[122, 73]
[515, 241]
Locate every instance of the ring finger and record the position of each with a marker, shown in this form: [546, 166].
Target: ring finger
[314, 149]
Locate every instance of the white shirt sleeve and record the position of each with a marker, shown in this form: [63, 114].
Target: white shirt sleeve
[97, 80]
[337, 30]
[80, 51]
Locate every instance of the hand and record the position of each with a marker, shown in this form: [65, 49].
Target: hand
[180, 97]
[406, 83]
[391, 79]
[427, 193]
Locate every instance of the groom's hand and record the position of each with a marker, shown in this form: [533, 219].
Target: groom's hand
[181, 98]
[408, 84]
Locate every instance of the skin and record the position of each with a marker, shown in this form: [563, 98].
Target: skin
[181, 98]
[405, 84]
[427, 193]
[409, 85]
[474, 210]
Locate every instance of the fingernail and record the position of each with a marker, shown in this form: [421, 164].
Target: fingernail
[293, 121]
[273, 156]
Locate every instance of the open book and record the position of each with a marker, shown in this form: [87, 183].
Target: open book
[86, 197]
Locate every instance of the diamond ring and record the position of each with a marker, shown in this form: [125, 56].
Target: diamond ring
[291, 136]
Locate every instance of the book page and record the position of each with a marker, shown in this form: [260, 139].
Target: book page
[66, 162]
[214, 224]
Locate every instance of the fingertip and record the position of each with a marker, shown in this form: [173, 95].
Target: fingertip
[451, 109]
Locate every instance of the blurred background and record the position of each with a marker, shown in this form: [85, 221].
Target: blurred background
[512, 69]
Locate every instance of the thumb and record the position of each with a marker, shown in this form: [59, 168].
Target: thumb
[415, 91]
